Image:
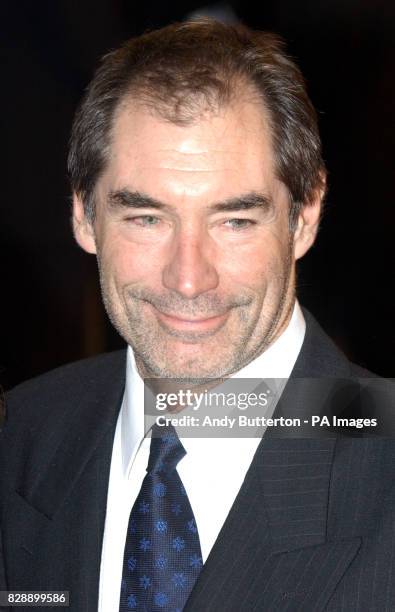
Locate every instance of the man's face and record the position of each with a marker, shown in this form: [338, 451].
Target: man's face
[195, 255]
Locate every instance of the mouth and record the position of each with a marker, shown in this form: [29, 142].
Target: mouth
[201, 324]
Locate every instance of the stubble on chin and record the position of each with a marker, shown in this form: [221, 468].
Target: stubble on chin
[160, 354]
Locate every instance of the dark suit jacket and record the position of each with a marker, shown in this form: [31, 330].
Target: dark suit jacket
[312, 528]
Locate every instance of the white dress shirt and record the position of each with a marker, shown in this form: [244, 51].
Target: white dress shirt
[212, 471]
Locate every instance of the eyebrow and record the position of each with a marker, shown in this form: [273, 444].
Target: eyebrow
[124, 198]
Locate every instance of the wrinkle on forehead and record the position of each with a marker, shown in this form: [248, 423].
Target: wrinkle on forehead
[222, 154]
[203, 147]
[184, 162]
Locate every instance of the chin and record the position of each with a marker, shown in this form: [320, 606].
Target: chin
[186, 368]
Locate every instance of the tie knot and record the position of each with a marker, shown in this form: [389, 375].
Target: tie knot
[166, 449]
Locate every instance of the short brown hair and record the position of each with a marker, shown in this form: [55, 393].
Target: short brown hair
[180, 68]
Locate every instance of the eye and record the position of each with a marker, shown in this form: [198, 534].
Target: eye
[239, 224]
[144, 220]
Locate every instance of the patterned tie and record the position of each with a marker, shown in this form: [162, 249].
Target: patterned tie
[162, 557]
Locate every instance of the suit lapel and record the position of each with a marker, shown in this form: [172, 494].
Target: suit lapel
[71, 458]
[70, 437]
[64, 484]
[273, 551]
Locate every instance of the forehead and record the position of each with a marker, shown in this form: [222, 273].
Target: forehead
[219, 153]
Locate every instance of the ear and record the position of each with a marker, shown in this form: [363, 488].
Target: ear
[82, 226]
[308, 221]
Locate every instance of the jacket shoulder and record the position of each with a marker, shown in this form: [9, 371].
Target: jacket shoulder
[321, 357]
[62, 386]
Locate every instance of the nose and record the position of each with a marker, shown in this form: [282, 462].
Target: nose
[191, 270]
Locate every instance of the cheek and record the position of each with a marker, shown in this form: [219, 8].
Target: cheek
[126, 263]
[254, 264]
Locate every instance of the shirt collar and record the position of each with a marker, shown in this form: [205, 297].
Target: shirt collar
[276, 362]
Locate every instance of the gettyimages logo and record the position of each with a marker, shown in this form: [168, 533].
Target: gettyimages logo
[195, 400]
[231, 407]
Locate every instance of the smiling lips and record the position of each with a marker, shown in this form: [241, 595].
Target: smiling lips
[200, 325]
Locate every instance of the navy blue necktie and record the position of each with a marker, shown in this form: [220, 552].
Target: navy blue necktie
[162, 557]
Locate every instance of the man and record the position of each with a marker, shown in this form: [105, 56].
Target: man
[198, 182]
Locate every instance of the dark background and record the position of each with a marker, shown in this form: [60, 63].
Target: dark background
[50, 301]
